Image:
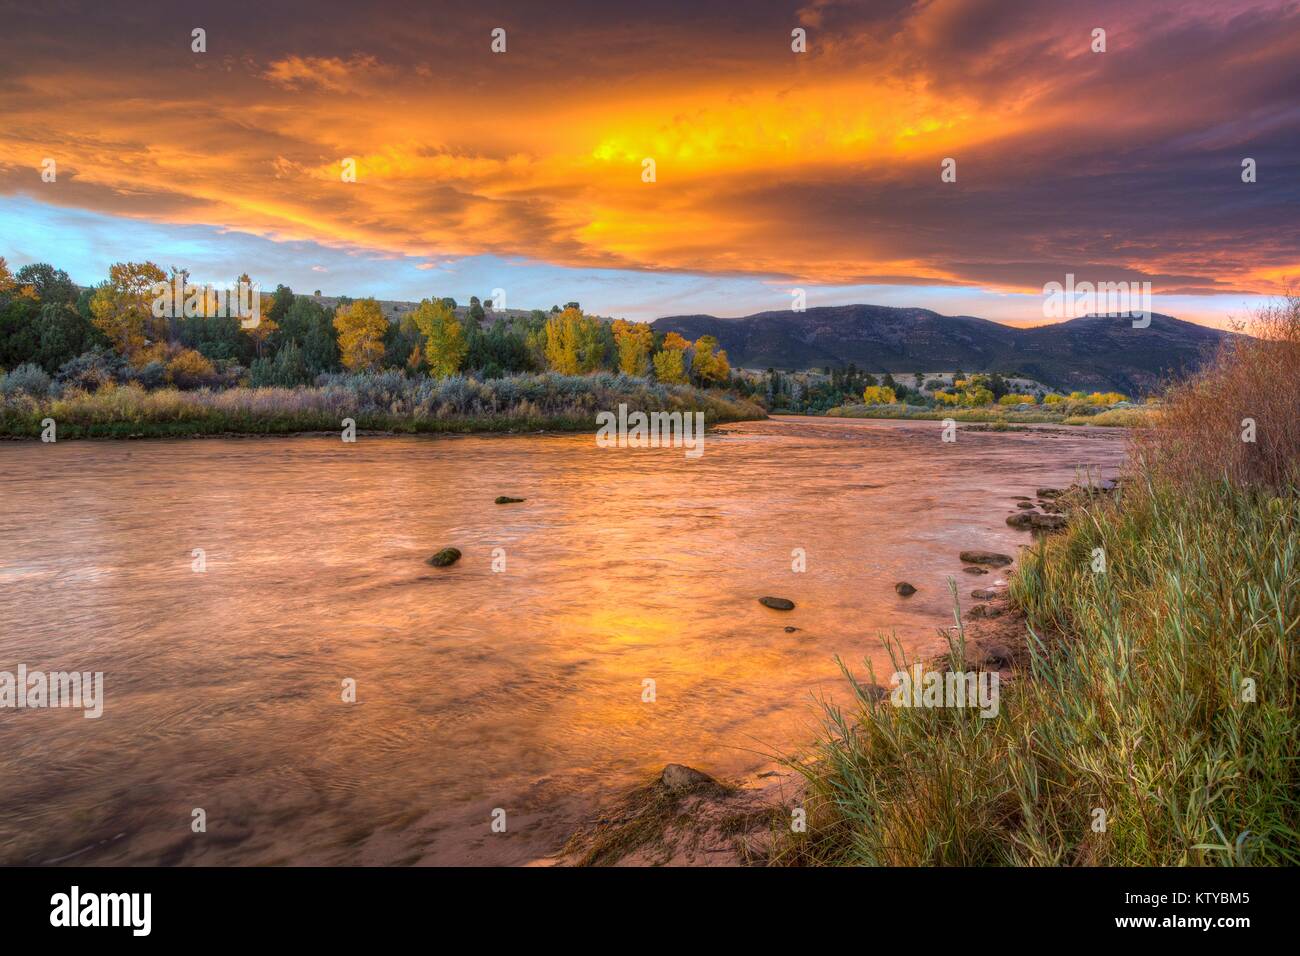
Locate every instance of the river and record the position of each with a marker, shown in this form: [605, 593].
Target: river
[520, 688]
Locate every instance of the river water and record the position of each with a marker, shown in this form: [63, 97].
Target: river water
[520, 689]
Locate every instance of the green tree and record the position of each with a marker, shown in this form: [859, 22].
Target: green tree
[445, 346]
[670, 360]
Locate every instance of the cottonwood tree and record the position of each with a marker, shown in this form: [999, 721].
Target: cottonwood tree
[445, 345]
[361, 326]
[633, 340]
[670, 360]
[122, 307]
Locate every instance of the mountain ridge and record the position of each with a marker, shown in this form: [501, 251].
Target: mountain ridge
[1086, 353]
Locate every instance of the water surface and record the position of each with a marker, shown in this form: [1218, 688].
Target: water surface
[476, 689]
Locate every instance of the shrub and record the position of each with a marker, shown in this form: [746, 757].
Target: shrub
[189, 369]
[28, 378]
[93, 369]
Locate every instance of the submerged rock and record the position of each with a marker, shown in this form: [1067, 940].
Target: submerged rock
[905, 589]
[504, 500]
[777, 604]
[445, 557]
[984, 594]
[790, 628]
[999, 655]
[991, 558]
[1021, 519]
[1020, 504]
[678, 776]
[972, 569]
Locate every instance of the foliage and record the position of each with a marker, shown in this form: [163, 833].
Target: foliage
[361, 326]
[445, 346]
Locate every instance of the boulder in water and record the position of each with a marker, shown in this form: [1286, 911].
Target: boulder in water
[445, 557]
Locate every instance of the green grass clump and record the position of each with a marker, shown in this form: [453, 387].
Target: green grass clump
[1134, 702]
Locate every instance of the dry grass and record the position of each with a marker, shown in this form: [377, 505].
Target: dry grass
[1200, 433]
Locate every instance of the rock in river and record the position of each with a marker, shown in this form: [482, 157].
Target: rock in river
[972, 569]
[504, 500]
[678, 776]
[445, 557]
[991, 558]
[905, 589]
[1050, 522]
[1022, 519]
[777, 604]
[984, 594]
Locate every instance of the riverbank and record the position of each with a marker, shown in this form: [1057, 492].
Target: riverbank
[1159, 726]
[1134, 417]
[388, 403]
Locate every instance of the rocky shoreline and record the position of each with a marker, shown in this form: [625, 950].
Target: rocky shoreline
[684, 817]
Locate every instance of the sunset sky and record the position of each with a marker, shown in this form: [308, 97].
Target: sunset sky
[523, 170]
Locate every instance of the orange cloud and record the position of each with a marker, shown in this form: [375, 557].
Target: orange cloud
[821, 167]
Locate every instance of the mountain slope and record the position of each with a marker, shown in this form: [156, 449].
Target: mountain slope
[1094, 352]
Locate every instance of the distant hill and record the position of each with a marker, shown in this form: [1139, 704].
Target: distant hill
[1093, 352]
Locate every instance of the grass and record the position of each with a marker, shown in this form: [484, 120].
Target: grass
[1133, 705]
[1160, 695]
[1043, 415]
[386, 402]
[1115, 417]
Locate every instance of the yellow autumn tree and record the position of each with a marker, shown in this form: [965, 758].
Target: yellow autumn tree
[445, 345]
[573, 344]
[670, 362]
[122, 308]
[879, 395]
[361, 326]
[633, 340]
[710, 363]
[7, 281]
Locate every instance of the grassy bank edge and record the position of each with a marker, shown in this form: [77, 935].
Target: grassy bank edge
[1128, 700]
[219, 426]
[1119, 417]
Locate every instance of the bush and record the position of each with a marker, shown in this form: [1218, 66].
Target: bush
[189, 369]
[93, 369]
[28, 378]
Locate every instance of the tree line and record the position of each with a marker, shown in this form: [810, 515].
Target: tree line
[88, 336]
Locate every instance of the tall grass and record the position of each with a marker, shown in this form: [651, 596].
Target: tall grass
[1161, 693]
[1255, 378]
